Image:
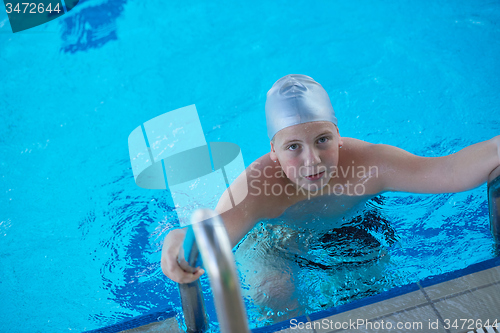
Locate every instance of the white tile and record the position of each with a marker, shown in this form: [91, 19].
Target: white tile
[481, 304]
[169, 325]
[464, 283]
[415, 320]
[378, 309]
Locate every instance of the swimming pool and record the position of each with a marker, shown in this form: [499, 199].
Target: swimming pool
[80, 242]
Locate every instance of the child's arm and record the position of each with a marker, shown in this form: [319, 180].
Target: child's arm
[400, 170]
[238, 221]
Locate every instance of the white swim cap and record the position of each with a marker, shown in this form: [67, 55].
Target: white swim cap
[296, 99]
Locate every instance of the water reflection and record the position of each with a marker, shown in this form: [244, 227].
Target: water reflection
[90, 25]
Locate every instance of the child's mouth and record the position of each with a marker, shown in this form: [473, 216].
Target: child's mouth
[316, 176]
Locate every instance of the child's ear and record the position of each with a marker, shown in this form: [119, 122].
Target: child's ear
[272, 154]
[341, 141]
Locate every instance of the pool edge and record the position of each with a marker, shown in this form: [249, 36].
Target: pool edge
[419, 299]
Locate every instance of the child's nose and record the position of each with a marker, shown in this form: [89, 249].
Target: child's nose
[312, 157]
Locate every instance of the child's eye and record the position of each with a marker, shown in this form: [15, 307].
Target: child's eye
[323, 139]
[293, 146]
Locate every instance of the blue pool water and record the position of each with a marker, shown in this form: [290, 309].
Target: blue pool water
[80, 242]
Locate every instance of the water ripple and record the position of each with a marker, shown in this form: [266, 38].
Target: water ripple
[91, 24]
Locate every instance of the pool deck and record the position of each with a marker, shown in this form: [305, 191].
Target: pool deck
[465, 299]
[169, 325]
[445, 304]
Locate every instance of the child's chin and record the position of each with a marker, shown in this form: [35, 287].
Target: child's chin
[318, 186]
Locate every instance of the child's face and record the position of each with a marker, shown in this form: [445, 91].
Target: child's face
[308, 153]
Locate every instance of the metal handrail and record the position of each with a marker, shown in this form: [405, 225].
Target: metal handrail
[193, 306]
[207, 236]
[494, 204]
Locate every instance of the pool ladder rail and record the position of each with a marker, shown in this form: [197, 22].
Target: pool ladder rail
[207, 238]
[494, 205]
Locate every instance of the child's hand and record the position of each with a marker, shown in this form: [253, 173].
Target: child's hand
[170, 251]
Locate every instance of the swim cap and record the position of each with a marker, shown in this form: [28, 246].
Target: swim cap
[296, 99]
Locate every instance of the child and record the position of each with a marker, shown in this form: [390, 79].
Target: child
[313, 174]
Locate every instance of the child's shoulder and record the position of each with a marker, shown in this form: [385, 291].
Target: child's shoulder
[355, 144]
[264, 168]
[355, 150]
[261, 163]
